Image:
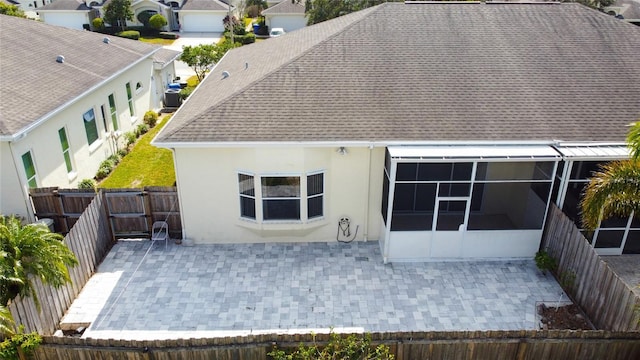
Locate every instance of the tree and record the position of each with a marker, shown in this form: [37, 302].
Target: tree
[157, 22]
[117, 12]
[615, 189]
[30, 250]
[11, 10]
[321, 10]
[202, 58]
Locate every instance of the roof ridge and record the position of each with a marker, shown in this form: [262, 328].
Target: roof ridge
[363, 15]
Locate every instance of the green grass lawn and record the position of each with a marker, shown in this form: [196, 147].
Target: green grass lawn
[157, 41]
[145, 165]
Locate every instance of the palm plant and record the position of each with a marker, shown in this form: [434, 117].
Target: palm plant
[615, 189]
[28, 251]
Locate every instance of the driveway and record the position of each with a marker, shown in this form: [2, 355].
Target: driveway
[191, 39]
[142, 292]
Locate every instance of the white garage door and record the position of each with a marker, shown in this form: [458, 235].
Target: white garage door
[202, 23]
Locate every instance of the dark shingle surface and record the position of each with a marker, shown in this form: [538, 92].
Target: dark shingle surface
[285, 7]
[65, 5]
[430, 72]
[34, 84]
[204, 5]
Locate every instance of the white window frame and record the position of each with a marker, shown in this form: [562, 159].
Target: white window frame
[302, 198]
[35, 170]
[67, 155]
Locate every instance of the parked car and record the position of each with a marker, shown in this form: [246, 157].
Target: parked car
[275, 32]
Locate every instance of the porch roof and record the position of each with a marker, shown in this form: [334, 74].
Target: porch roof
[475, 152]
[593, 152]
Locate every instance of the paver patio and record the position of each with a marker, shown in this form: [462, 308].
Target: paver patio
[226, 290]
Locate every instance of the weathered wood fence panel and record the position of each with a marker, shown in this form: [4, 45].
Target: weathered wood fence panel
[131, 211]
[90, 240]
[500, 345]
[607, 300]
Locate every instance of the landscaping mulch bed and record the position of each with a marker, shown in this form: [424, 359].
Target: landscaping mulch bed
[564, 317]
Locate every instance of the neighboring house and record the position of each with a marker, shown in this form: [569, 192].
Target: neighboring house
[69, 13]
[164, 73]
[66, 95]
[286, 14]
[628, 10]
[202, 15]
[181, 15]
[29, 5]
[439, 130]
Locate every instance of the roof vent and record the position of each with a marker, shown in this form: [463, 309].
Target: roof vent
[225, 74]
[60, 59]
[246, 65]
[106, 40]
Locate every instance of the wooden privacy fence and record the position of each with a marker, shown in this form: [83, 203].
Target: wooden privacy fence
[607, 300]
[90, 240]
[494, 345]
[131, 211]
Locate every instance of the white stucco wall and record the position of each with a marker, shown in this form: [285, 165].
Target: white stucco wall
[44, 143]
[70, 19]
[210, 205]
[11, 201]
[287, 22]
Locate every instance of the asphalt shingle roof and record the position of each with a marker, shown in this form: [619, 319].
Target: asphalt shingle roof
[34, 84]
[426, 72]
[213, 5]
[65, 5]
[285, 7]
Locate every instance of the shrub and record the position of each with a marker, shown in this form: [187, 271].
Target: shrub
[97, 23]
[157, 22]
[27, 343]
[141, 129]
[545, 262]
[123, 152]
[87, 184]
[130, 137]
[349, 347]
[168, 35]
[129, 34]
[102, 173]
[150, 118]
[184, 93]
[114, 159]
[144, 17]
[246, 39]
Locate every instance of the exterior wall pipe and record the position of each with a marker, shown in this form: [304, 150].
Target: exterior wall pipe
[368, 199]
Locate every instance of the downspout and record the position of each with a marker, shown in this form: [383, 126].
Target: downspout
[368, 199]
[23, 186]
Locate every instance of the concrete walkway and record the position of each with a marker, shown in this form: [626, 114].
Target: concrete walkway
[191, 39]
[227, 290]
[627, 267]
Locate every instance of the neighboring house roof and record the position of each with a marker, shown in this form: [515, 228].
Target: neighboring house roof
[209, 5]
[10, 2]
[285, 7]
[411, 73]
[629, 9]
[35, 85]
[165, 56]
[65, 5]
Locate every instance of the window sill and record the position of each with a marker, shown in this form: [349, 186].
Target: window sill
[95, 146]
[72, 176]
[282, 225]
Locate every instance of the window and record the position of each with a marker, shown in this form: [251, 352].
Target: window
[65, 149]
[113, 111]
[29, 169]
[90, 126]
[247, 196]
[315, 191]
[282, 197]
[130, 100]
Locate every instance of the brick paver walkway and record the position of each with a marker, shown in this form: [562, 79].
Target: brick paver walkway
[218, 290]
